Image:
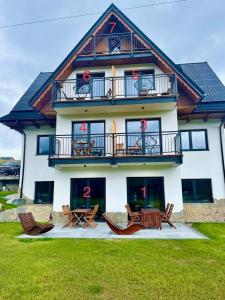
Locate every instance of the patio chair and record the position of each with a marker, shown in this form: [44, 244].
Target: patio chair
[31, 227]
[89, 217]
[165, 217]
[132, 228]
[134, 215]
[72, 219]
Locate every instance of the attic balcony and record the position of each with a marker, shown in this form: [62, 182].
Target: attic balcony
[141, 148]
[127, 93]
[110, 48]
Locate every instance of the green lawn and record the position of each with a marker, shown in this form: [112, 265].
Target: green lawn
[112, 269]
[3, 200]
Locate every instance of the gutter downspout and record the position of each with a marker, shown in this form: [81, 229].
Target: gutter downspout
[22, 173]
[221, 147]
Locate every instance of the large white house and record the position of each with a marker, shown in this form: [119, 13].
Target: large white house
[118, 121]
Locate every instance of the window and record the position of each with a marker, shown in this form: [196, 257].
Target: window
[43, 192]
[43, 144]
[140, 86]
[197, 190]
[88, 192]
[145, 192]
[91, 136]
[94, 88]
[194, 140]
[144, 134]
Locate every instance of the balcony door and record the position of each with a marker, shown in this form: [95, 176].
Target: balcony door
[144, 135]
[92, 88]
[145, 192]
[87, 192]
[139, 85]
[88, 138]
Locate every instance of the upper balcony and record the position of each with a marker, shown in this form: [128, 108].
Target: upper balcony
[111, 47]
[127, 93]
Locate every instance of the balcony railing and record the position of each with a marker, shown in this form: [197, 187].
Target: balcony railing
[114, 43]
[141, 144]
[109, 88]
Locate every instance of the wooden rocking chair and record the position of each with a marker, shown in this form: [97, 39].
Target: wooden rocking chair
[134, 215]
[31, 227]
[132, 228]
[165, 217]
[72, 219]
[89, 217]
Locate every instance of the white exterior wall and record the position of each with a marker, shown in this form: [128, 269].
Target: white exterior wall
[116, 186]
[205, 164]
[168, 121]
[36, 166]
[119, 69]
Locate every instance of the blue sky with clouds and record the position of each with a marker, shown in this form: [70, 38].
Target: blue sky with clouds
[189, 31]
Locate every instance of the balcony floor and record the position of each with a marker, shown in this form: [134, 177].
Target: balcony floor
[169, 160]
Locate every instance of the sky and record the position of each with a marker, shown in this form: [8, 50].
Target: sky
[189, 31]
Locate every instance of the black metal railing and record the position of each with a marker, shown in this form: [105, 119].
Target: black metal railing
[113, 43]
[109, 88]
[115, 144]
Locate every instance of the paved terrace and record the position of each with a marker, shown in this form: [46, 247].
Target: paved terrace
[102, 231]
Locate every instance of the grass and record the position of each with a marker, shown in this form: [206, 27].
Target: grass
[112, 269]
[3, 200]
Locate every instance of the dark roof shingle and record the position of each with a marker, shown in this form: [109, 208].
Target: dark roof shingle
[23, 104]
[203, 75]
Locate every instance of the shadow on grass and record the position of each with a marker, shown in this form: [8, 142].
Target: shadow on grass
[30, 240]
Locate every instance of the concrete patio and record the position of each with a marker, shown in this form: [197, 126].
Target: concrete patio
[102, 231]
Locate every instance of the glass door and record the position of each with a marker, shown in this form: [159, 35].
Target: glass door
[145, 135]
[87, 192]
[89, 138]
[145, 192]
[98, 85]
[139, 84]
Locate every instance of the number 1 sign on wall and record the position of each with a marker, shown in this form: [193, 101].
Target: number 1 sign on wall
[144, 190]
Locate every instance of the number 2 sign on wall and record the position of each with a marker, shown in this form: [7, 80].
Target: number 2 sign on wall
[87, 191]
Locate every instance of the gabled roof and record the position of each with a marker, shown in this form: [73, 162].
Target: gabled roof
[114, 9]
[199, 75]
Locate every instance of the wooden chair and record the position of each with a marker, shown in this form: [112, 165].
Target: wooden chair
[132, 228]
[165, 217]
[72, 219]
[31, 227]
[89, 217]
[90, 148]
[134, 215]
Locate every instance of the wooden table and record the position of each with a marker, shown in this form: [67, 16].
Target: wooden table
[151, 218]
[79, 213]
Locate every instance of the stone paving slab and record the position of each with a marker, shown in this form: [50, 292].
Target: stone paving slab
[102, 231]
